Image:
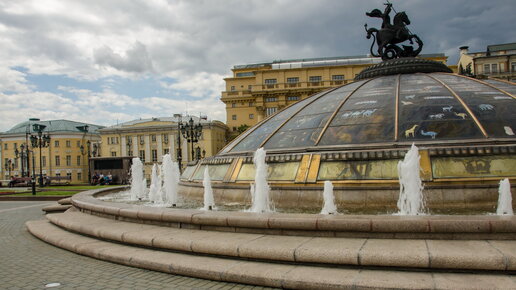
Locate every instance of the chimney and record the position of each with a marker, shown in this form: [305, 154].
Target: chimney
[464, 49]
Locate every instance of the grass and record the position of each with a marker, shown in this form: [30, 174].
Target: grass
[48, 193]
[77, 187]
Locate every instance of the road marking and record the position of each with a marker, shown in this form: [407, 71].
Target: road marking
[22, 207]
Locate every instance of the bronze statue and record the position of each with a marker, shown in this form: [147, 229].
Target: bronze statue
[390, 35]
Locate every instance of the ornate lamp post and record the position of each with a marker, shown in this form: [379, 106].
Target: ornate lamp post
[9, 166]
[83, 152]
[21, 154]
[179, 152]
[191, 133]
[40, 141]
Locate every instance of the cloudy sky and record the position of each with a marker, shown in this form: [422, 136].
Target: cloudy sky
[109, 61]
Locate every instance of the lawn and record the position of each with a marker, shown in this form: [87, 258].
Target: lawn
[77, 187]
[41, 193]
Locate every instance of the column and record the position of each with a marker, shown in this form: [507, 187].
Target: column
[148, 156]
[172, 147]
[160, 147]
[124, 146]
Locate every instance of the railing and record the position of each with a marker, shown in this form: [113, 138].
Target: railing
[282, 86]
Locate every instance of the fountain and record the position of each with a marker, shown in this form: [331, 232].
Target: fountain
[411, 200]
[261, 190]
[329, 199]
[155, 190]
[504, 198]
[209, 203]
[170, 179]
[138, 183]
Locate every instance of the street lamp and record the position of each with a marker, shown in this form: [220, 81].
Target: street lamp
[24, 154]
[9, 166]
[179, 153]
[40, 141]
[191, 133]
[88, 143]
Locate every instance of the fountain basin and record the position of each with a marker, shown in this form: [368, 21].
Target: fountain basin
[363, 226]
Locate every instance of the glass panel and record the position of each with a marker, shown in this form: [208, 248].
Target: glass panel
[452, 167]
[188, 172]
[253, 139]
[494, 109]
[427, 110]
[217, 172]
[285, 171]
[367, 116]
[339, 170]
[304, 128]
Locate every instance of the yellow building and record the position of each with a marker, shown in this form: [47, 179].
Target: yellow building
[498, 61]
[256, 91]
[150, 139]
[65, 155]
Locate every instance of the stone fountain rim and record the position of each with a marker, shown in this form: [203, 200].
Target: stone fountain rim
[87, 201]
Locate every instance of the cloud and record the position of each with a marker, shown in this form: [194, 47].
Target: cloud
[136, 58]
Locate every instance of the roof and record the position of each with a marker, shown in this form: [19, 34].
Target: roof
[499, 47]
[53, 126]
[158, 119]
[326, 60]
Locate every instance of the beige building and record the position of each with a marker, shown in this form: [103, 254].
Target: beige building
[150, 139]
[62, 157]
[256, 91]
[498, 61]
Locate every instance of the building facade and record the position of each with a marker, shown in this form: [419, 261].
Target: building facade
[498, 61]
[256, 91]
[150, 139]
[66, 153]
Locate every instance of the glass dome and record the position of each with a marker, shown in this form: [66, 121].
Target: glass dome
[437, 107]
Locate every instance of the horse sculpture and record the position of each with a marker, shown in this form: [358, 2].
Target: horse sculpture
[390, 35]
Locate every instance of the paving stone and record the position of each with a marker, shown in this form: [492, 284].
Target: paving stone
[29, 263]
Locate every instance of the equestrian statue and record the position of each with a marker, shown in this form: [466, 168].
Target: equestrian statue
[390, 35]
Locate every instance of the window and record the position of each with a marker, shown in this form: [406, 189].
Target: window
[43, 161]
[142, 139]
[5, 146]
[494, 68]
[15, 145]
[314, 79]
[56, 143]
[271, 99]
[270, 81]
[165, 138]
[251, 104]
[251, 116]
[68, 160]
[69, 174]
[271, 111]
[79, 160]
[113, 140]
[79, 176]
[78, 144]
[233, 88]
[293, 80]
[337, 77]
[58, 174]
[142, 155]
[233, 117]
[487, 68]
[166, 151]
[130, 153]
[292, 98]
[250, 87]
[153, 138]
[113, 153]
[513, 66]
[58, 160]
[233, 105]
[68, 143]
[245, 74]
[154, 155]
[234, 128]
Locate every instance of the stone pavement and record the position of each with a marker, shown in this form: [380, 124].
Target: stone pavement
[29, 263]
